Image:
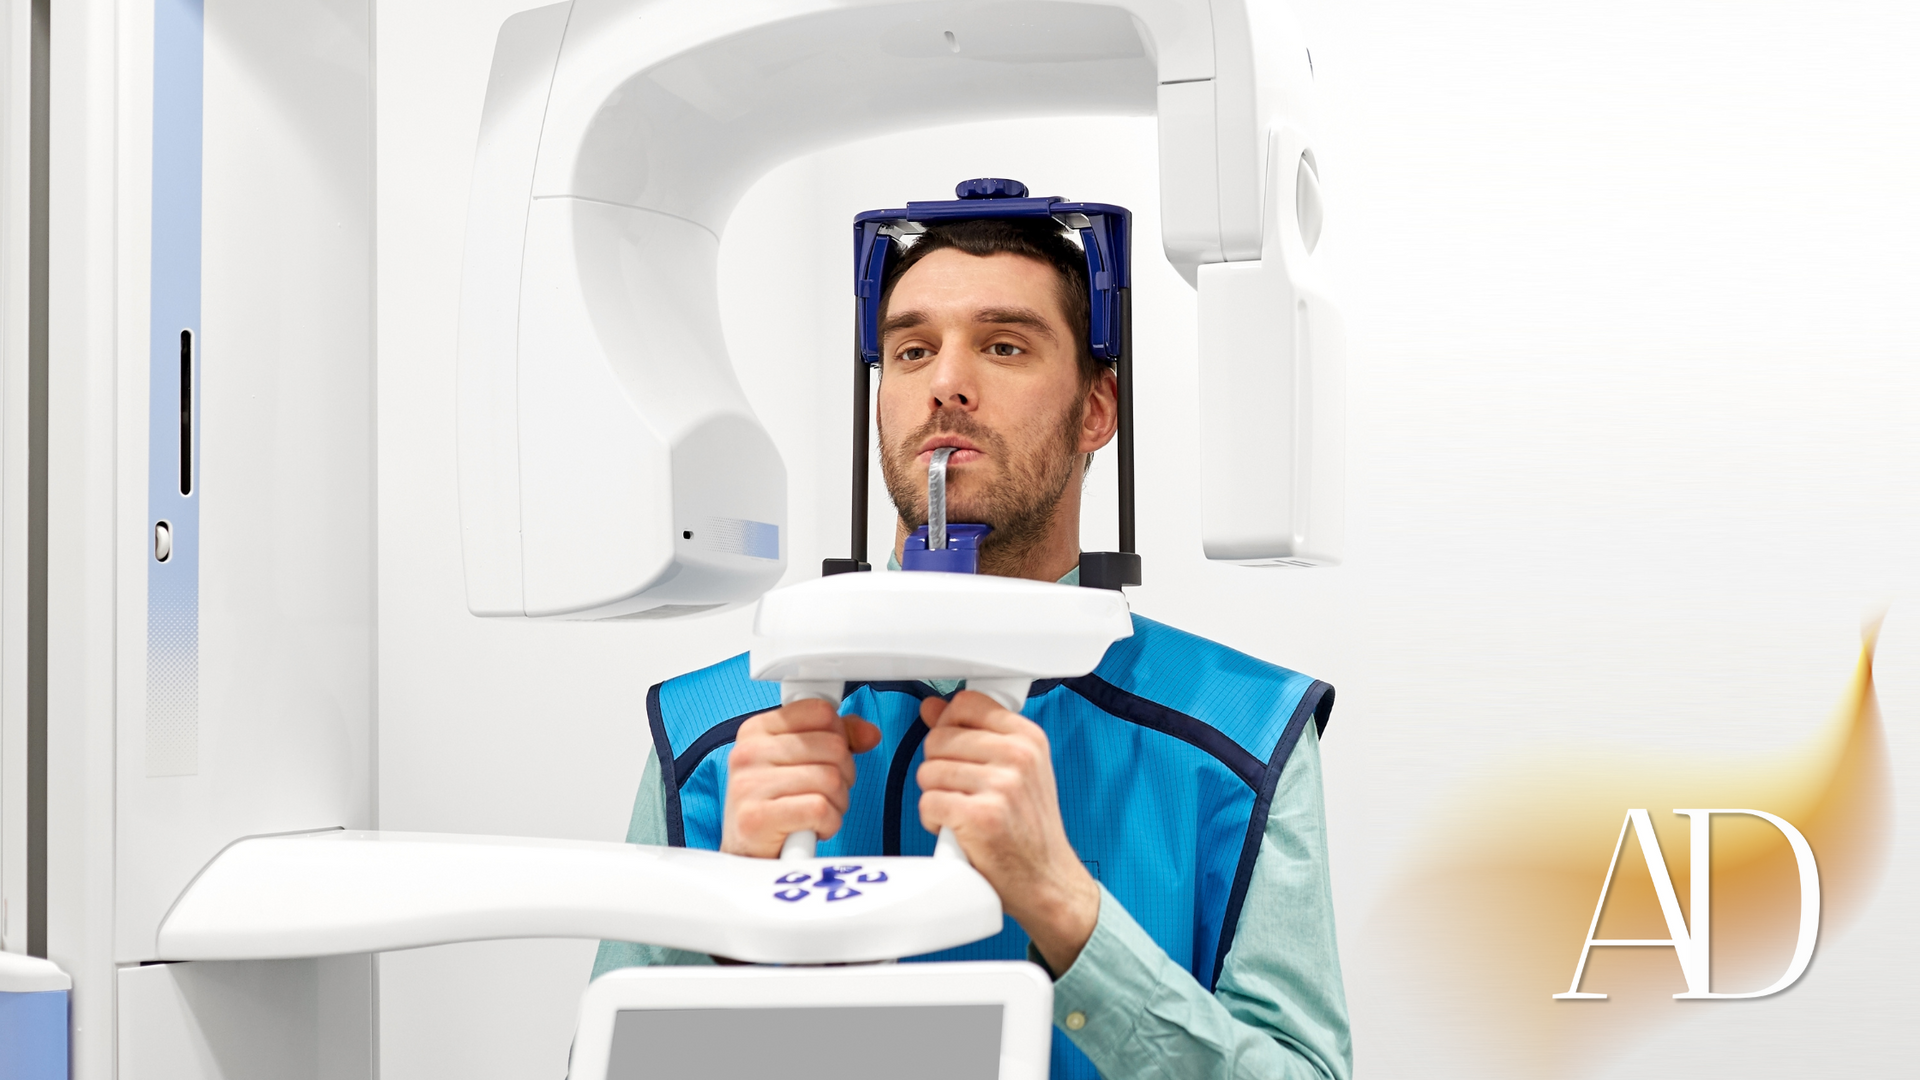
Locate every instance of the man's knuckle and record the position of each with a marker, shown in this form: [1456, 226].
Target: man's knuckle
[762, 749]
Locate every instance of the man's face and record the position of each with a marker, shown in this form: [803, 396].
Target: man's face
[977, 354]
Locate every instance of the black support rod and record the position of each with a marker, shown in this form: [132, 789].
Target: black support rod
[862, 405]
[39, 84]
[1116, 569]
[1123, 374]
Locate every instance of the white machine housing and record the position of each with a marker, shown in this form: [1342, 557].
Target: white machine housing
[610, 465]
[927, 625]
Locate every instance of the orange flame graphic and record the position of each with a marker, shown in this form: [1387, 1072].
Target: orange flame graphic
[1490, 921]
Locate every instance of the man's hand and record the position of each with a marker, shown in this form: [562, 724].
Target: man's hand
[988, 774]
[790, 769]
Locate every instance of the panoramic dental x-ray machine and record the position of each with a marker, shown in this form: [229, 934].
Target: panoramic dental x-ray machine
[611, 468]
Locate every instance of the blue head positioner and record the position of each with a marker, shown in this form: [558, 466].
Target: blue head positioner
[1106, 234]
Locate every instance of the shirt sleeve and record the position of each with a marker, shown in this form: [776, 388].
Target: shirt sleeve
[1280, 1008]
[647, 826]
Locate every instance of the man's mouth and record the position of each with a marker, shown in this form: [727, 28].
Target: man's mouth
[964, 450]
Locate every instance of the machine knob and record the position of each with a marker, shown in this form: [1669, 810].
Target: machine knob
[990, 187]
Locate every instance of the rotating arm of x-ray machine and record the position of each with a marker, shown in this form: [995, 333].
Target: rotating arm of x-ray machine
[610, 466]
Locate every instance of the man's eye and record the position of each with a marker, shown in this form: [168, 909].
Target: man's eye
[1004, 348]
[913, 353]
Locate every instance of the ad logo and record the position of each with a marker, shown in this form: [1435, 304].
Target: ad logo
[1693, 943]
[1496, 898]
[831, 883]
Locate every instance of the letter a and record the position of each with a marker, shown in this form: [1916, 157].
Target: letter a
[1690, 949]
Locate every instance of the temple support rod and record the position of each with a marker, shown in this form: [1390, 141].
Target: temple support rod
[1123, 373]
[862, 405]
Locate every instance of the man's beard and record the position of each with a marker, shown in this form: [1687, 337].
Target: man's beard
[1020, 502]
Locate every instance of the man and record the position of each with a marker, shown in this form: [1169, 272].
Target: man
[1154, 830]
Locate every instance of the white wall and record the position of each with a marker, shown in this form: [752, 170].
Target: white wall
[1634, 450]
[1632, 454]
[497, 727]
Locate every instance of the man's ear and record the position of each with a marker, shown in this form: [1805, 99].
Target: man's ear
[1100, 419]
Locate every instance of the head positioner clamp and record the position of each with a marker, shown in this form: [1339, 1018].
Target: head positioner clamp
[1105, 234]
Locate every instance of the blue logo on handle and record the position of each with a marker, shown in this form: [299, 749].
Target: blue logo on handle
[834, 882]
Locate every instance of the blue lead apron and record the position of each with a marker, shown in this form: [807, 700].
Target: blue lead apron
[1166, 757]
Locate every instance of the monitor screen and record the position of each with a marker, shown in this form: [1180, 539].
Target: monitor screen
[863, 1042]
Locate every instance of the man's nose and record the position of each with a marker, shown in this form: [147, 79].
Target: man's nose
[953, 382]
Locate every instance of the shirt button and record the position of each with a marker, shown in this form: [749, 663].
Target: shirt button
[1076, 1020]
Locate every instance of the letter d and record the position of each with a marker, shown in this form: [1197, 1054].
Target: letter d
[1701, 873]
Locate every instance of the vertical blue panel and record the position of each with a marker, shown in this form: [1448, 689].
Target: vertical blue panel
[33, 1035]
[173, 467]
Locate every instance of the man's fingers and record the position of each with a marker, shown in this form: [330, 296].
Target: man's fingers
[773, 753]
[793, 748]
[809, 715]
[776, 819]
[970, 708]
[986, 747]
[813, 715]
[970, 816]
[964, 777]
[795, 780]
[861, 736]
[937, 809]
[790, 769]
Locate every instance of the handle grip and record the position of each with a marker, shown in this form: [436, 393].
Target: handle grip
[800, 845]
[797, 845]
[1008, 694]
[948, 846]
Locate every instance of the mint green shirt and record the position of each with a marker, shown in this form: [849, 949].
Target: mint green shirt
[1279, 1010]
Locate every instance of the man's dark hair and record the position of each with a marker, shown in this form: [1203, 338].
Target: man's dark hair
[1038, 239]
